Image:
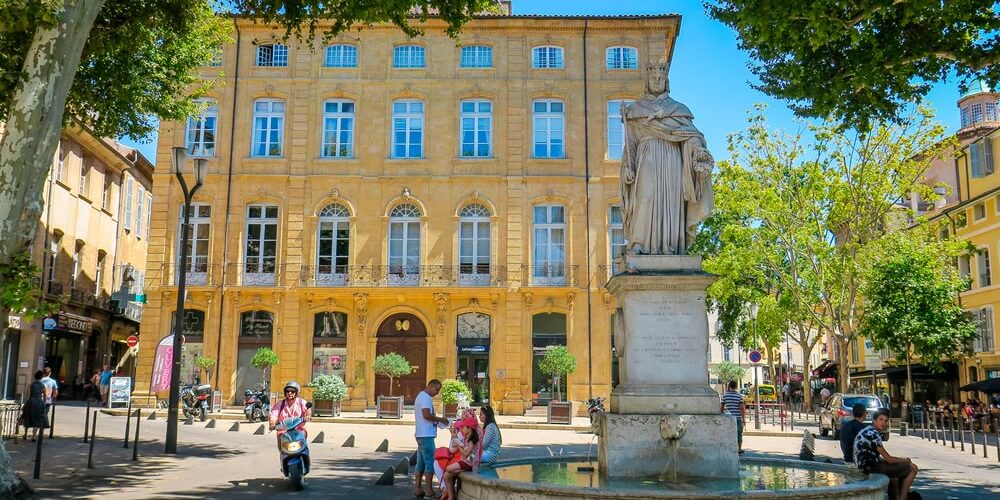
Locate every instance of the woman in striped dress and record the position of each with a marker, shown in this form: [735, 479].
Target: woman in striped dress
[491, 436]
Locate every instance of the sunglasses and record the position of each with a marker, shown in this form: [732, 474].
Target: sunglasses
[293, 391]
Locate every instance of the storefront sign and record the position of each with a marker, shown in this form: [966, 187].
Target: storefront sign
[873, 364]
[121, 391]
[68, 323]
[473, 349]
[256, 324]
[14, 322]
[162, 362]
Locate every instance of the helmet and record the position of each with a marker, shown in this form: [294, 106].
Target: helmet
[293, 385]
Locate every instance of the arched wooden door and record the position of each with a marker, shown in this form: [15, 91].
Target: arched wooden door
[405, 335]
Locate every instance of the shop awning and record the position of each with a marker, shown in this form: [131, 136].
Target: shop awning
[828, 369]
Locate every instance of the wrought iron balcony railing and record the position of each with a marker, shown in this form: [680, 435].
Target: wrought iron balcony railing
[550, 275]
[401, 276]
[254, 273]
[199, 273]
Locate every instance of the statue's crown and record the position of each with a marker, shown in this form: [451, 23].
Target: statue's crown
[661, 64]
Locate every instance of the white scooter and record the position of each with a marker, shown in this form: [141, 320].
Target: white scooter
[294, 449]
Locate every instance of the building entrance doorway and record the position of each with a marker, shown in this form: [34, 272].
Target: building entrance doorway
[406, 335]
[474, 369]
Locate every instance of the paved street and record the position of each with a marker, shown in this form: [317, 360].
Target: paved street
[217, 463]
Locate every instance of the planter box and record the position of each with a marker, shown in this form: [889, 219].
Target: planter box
[560, 412]
[390, 407]
[323, 407]
[451, 410]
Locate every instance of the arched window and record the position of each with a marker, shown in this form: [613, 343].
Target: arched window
[341, 56]
[404, 245]
[333, 245]
[477, 56]
[408, 56]
[622, 58]
[474, 245]
[256, 324]
[547, 57]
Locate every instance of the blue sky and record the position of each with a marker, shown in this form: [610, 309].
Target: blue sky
[709, 72]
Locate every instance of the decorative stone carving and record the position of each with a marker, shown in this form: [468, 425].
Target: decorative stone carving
[665, 172]
[406, 193]
[672, 427]
[441, 300]
[527, 295]
[361, 309]
[474, 304]
[570, 300]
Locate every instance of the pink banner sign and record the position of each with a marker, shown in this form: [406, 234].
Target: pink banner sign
[162, 362]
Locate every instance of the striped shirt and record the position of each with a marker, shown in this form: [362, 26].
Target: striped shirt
[733, 401]
[491, 444]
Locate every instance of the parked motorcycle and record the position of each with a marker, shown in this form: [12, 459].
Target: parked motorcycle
[257, 405]
[195, 400]
[294, 449]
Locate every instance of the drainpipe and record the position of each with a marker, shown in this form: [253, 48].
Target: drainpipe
[586, 181]
[229, 196]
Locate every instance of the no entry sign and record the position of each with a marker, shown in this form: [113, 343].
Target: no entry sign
[132, 341]
[755, 356]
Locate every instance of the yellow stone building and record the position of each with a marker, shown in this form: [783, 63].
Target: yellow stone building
[451, 200]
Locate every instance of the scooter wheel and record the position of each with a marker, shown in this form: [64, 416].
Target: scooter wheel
[295, 473]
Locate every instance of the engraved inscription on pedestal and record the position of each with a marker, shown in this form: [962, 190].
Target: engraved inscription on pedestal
[666, 338]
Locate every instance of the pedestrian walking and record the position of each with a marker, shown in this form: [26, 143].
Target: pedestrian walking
[105, 382]
[51, 388]
[33, 413]
[426, 423]
[732, 403]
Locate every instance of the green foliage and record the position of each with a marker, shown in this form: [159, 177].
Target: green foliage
[793, 219]
[328, 388]
[264, 358]
[451, 388]
[391, 365]
[20, 292]
[728, 371]
[139, 62]
[557, 363]
[910, 294]
[300, 18]
[862, 61]
[204, 362]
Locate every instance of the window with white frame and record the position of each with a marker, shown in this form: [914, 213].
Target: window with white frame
[979, 211]
[275, 55]
[991, 111]
[966, 118]
[474, 245]
[616, 128]
[333, 244]
[60, 163]
[549, 244]
[548, 128]
[404, 245]
[199, 235]
[341, 56]
[338, 129]
[984, 342]
[199, 135]
[106, 194]
[477, 56]
[129, 188]
[981, 157]
[408, 56]
[964, 267]
[99, 273]
[53, 256]
[216, 60]
[977, 112]
[622, 58]
[140, 210]
[268, 127]
[616, 232]
[547, 57]
[85, 171]
[476, 118]
[261, 249]
[407, 129]
[983, 267]
[149, 211]
[77, 251]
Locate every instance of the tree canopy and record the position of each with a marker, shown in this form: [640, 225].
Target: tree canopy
[862, 61]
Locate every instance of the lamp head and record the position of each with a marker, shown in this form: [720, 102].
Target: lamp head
[179, 158]
[200, 170]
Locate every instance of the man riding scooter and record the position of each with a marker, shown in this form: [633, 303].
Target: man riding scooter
[289, 417]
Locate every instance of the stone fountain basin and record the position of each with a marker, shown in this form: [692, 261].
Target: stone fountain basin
[858, 486]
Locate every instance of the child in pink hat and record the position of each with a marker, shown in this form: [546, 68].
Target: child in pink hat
[469, 450]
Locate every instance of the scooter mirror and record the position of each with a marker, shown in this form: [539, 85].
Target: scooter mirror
[309, 405]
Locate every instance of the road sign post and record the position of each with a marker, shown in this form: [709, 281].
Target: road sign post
[755, 358]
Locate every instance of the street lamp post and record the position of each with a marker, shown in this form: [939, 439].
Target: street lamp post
[200, 166]
[756, 383]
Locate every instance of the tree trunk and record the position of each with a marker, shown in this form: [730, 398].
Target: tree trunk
[843, 364]
[806, 380]
[909, 378]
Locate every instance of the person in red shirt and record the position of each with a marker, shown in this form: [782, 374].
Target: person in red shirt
[290, 407]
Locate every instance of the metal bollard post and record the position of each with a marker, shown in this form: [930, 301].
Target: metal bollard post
[128, 422]
[973, 432]
[52, 421]
[934, 431]
[996, 428]
[986, 441]
[952, 433]
[86, 423]
[38, 454]
[93, 439]
[135, 445]
[961, 433]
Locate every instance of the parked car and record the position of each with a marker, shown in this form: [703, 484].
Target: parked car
[840, 408]
[768, 394]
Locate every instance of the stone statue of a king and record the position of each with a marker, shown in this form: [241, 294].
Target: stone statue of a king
[666, 171]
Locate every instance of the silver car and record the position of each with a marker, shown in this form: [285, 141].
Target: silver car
[840, 408]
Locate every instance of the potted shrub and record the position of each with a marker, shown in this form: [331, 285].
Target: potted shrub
[328, 392]
[557, 363]
[450, 390]
[206, 363]
[390, 365]
[264, 358]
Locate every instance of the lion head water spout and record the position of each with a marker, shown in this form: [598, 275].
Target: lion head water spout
[672, 429]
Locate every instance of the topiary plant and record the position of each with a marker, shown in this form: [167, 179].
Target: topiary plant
[557, 363]
[328, 388]
[264, 358]
[205, 363]
[391, 365]
[451, 388]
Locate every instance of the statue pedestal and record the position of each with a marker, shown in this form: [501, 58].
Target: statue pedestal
[661, 337]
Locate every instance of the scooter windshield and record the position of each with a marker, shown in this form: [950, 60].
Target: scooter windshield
[289, 423]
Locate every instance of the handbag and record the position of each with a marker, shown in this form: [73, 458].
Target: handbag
[442, 453]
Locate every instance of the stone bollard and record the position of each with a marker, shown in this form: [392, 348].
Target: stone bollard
[384, 447]
[210, 424]
[260, 430]
[387, 478]
[349, 442]
[189, 420]
[319, 438]
[903, 431]
[235, 427]
[152, 416]
[404, 467]
[413, 458]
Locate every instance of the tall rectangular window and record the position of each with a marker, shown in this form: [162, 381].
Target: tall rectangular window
[268, 127]
[53, 256]
[140, 211]
[404, 245]
[199, 134]
[106, 194]
[616, 231]
[549, 244]
[261, 249]
[984, 343]
[272, 55]
[76, 264]
[616, 128]
[338, 129]
[547, 57]
[99, 273]
[474, 245]
[408, 56]
[477, 124]
[60, 163]
[981, 157]
[407, 129]
[85, 171]
[333, 248]
[341, 56]
[983, 267]
[977, 113]
[149, 211]
[129, 188]
[477, 56]
[548, 124]
[198, 238]
[622, 58]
